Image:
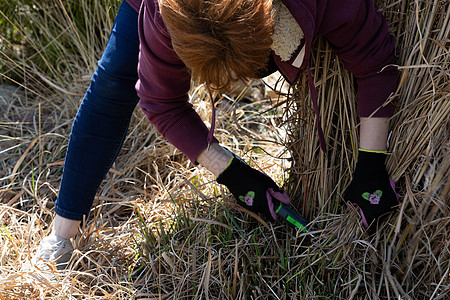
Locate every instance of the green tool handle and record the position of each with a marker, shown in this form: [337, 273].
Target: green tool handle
[293, 218]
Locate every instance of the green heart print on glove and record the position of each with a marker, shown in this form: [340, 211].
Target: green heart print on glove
[248, 198]
[373, 198]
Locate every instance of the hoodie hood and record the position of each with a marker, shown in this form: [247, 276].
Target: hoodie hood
[287, 34]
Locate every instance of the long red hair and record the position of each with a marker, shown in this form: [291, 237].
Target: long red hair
[220, 41]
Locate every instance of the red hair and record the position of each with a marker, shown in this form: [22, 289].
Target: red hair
[220, 41]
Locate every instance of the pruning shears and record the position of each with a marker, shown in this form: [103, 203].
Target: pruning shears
[293, 218]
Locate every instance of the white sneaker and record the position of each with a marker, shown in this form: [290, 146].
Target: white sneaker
[53, 250]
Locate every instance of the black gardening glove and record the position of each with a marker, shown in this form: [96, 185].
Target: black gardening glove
[371, 188]
[252, 189]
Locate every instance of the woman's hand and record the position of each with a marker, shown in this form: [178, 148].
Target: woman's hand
[252, 189]
[371, 188]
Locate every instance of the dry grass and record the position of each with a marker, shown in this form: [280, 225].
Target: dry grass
[161, 228]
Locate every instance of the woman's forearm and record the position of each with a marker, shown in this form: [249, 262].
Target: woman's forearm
[215, 159]
[374, 133]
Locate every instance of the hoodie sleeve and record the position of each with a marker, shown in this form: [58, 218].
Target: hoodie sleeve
[360, 37]
[163, 86]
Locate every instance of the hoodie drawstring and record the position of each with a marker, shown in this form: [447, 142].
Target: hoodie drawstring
[213, 118]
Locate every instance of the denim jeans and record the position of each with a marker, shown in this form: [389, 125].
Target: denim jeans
[102, 120]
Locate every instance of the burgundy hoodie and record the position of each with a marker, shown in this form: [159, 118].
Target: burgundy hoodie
[356, 31]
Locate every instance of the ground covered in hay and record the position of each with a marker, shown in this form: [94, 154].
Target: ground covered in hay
[161, 228]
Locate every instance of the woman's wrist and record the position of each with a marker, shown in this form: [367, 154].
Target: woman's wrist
[373, 134]
[215, 159]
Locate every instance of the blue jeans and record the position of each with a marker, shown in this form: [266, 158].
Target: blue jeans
[102, 120]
